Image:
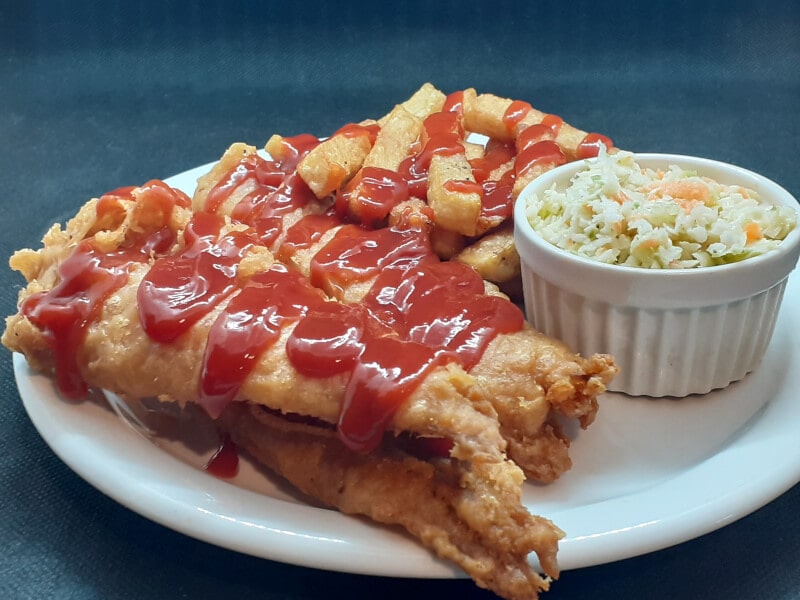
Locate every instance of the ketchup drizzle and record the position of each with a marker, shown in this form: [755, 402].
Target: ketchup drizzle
[442, 133]
[412, 321]
[355, 255]
[454, 103]
[225, 461]
[305, 233]
[265, 211]
[243, 171]
[182, 288]
[371, 195]
[246, 327]
[545, 153]
[496, 154]
[590, 145]
[514, 114]
[357, 129]
[90, 275]
[419, 313]
[497, 200]
[269, 176]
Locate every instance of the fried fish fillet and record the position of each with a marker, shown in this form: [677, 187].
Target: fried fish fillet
[436, 501]
[473, 512]
[528, 379]
[150, 294]
[118, 355]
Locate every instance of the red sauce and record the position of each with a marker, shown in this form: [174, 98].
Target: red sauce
[355, 129]
[497, 201]
[90, 275]
[547, 129]
[544, 153]
[533, 135]
[412, 321]
[225, 461]
[250, 324]
[515, 113]
[446, 128]
[294, 149]
[355, 255]
[243, 171]
[180, 289]
[305, 233]
[371, 195]
[268, 175]
[265, 209]
[497, 153]
[442, 133]
[463, 186]
[590, 145]
[454, 103]
[329, 340]
[553, 122]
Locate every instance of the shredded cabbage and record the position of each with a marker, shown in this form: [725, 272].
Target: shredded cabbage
[617, 212]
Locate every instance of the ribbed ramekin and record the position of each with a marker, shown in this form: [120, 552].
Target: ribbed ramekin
[672, 332]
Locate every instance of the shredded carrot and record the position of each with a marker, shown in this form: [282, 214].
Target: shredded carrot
[684, 190]
[650, 244]
[753, 232]
[620, 197]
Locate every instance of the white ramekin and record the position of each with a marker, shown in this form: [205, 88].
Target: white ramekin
[672, 332]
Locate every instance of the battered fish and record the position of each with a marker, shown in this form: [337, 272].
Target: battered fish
[302, 301]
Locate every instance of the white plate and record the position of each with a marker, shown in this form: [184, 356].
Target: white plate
[648, 474]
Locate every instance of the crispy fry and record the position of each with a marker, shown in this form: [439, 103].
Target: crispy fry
[400, 129]
[455, 206]
[426, 100]
[446, 243]
[473, 151]
[331, 164]
[484, 114]
[493, 256]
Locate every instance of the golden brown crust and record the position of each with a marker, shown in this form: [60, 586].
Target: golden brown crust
[463, 513]
[502, 416]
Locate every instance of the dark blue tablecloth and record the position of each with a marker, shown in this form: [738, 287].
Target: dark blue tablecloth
[96, 95]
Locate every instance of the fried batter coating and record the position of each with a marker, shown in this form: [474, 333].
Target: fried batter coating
[499, 417]
[474, 520]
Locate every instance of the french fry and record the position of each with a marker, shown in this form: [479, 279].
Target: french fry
[484, 114]
[494, 256]
[453, 195]
[446, 243]
[400, 129]
[569, 139]
[493, 116]
[331, 164]
[426, 100]
[276, 148]
[473, 151]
